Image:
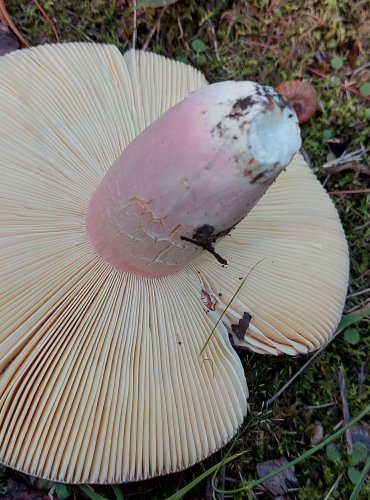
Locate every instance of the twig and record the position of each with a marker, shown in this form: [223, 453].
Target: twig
[334, 487]
[350, 191]
[48, 20]
[134, 31]
[343, 86]
[154, 28]
[363, 275]
[346, 157]
[356, 294]
[212, 35]
[345, 408]
[320, 407]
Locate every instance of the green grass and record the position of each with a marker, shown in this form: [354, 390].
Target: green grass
[267, 41]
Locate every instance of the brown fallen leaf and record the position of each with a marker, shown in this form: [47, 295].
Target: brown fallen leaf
[281, 483]
[8, 40]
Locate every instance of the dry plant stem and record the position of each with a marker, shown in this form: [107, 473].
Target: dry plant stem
[361, 292]
[212, 34]
[350, 191]
[334, 487]
[363, 275]
[134, 30]
[345, 408]
[8, 22]
[341, 85]
[345, 158]
[154, 29]
[48, 20]
[352, 165]
[320, 407]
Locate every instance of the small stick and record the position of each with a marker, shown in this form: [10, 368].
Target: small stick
[48, 20]
[134, 31]
[154, 28]
[363, 275]
[350, 191]
[345, 408]
[356, 294]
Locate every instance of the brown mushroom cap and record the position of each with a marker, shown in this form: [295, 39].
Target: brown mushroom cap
[101, 374]
[301, 96]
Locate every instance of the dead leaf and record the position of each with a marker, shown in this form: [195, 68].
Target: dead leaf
[317, 435]
[278, 485]
[241, 328]
[8, 40]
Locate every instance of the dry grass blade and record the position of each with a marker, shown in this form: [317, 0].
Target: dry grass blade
[48, 20]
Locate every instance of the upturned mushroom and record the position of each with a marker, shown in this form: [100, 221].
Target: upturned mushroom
[124, 237]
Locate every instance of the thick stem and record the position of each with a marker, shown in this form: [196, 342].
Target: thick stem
[190, 177]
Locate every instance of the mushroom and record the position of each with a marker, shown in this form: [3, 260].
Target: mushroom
[301, 96]
[118, 258]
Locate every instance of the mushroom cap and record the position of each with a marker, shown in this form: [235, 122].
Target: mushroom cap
[101, 377]
[301, 96]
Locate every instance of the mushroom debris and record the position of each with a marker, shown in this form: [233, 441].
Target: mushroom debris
[124, 238]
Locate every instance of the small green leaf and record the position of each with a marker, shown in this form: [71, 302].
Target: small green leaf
[351, 336]
[367, 114]
[334, 81]
[328, 133]
[198, 46]
[337, 62]
[359, 452]
[350, 319]
[182, 59]
[332, 452]
[365, 88]
[63, 491]
[354, 474]
[200, 60]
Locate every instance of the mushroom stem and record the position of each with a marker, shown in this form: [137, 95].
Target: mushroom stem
[190, 177]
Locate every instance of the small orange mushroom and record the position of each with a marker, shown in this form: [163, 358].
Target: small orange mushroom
[301, 96]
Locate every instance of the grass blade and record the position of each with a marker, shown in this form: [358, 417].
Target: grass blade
[306, 454]
[179, 494]
[90, 493]
[117, 492]
[227, 307]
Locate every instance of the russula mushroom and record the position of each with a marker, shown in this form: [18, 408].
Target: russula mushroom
[116, 259]
[301, 96]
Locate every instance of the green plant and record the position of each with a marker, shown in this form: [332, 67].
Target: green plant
[199, 48]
